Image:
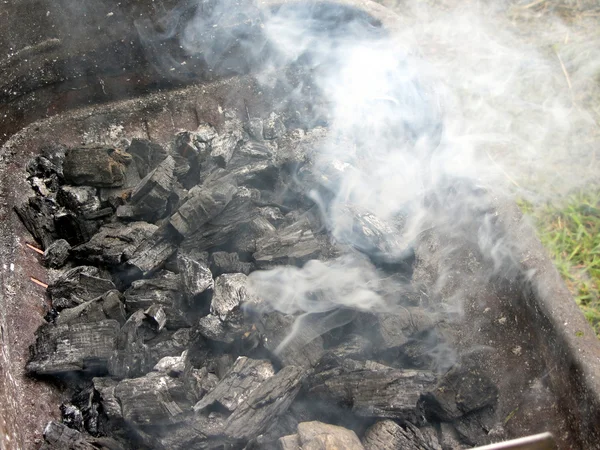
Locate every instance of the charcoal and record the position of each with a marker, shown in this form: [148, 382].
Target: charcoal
[168, 343]
[163, 290]
[78, 285]
[156, 314]
[322, 436]
[114, 243]
[374, 390]
[223, 145]
[57, 253]
[449, 439]
[354, 346]
[153, 400]
[254, 128]
[108, 306]
[74, 228]
[146, 155]
[174, 366]
[116, 196]
[289, 442]
[250, 233]
[202, 205]
[263, 406]
[230, 294]
[225, 226]
[195, 276]
[85, 406]
[95, 166]
[296, 146]
[396, 329]
[272, 214]
[105, 388]
[60, 437]
[100, 214]
[223, 262]
[388, 435]
[474, 428]
[293, 245]
[37, 214]
[197, 431]
[49, 163]
[195, 145]
[304, 349]
[463, 389]
[78, 347]
[273, 127]
[149, 199]
[244, 377]
[78, 199]
[225, 331]
[253, 163]
[154, 251]
[71, 416]
[40, 186]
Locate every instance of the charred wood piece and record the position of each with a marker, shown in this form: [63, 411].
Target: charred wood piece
[153, 252]
[322, 436]
[223, 262]
[196, 278]
[57, 253]
[96, 166]
[37, 214]
[388, 435]
[78, 285]
[108, 306]
[78, 199]
[146, 155]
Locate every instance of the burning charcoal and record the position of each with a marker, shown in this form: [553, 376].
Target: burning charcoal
[227, 225]
[237, 385]
[230, 294]
[195, 145]
[388, 435]
[163, 290]
[396, 329]
[223, 262]
[223, 145]
[76, 229]
[303, 350]
[77, 347]
[48, 163]
[322, 436]
[250, 233]
[202, 205]
[149, 199]
[373, 390]
[253, 164]
[462, 389]
[152, 400]
[273, 127]
[195, 278]
[156, 314]
[78, 199]
[78, 285]
[297, 146]
[108, 306]
[290, 442]
[114, 243]
[215, 329]
[146, 155]
[293, 245]
[59, 437]
[263, 406]
[173, 366]
[354, 346]
[37, 214]
[56, 254]
[105, 387]
[116, 196]
[152, 253]
[95, 166]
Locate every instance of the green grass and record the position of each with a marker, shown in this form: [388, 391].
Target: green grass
[571, 233]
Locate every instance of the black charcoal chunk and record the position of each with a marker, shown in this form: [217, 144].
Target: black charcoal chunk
[293, 245]
[153, 400]
[37, 214]
[353, 346]
[174, 366]
[108, 306]
[227, 225]
[247, 236]
[78, 199]
[74, 228]
[323, 436]
[254, 128]
[49, 163]
[373, 390]
[297, 146]
[78, 347]
[223, 145]
[57, 253]
[230, 293]
[96, 166]
[397, 328]
[105, 388]
[202, 204]
[195, 276]
[463, 389]
[60, 437]
[243, 378]
[388, 435]
[116, 196]
[149, 199]
[164, 290]
[304, 349]
[263, 406]
[253, 164]
[114, 243]
[225, 331]
[78, 285]
[223, 262]
[273, 127]
[154, 251]
[146, 155]
[157, 316]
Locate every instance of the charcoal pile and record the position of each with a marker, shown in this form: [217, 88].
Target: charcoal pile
[163, 341]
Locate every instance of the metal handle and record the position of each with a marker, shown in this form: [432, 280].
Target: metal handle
[543, 441]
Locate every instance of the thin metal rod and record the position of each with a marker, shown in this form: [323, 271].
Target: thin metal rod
[543, 441]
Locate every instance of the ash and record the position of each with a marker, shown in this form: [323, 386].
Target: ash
[172, 328]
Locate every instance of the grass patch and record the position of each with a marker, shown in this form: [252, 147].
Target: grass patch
[571, 233]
